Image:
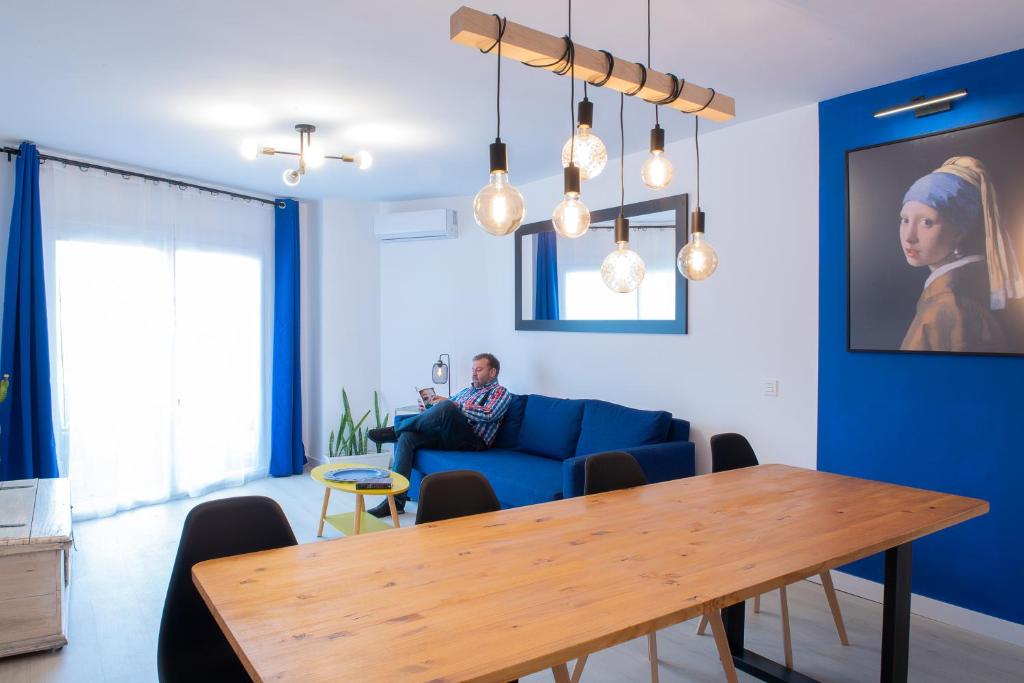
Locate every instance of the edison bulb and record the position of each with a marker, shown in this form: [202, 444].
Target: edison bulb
[291, 177]
[590, 153]
[498, 207]
[623, 270]
[313, 155]
[571, 216]
[657, 170]
[249, 149]
[697, 259]
[364, 160]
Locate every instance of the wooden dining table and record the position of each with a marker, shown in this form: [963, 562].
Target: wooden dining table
[497, 596]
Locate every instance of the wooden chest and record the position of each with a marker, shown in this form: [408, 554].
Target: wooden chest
[35, 571]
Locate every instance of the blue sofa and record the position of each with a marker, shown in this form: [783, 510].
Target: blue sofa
[540, 450]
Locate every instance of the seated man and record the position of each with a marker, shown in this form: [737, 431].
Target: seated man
[468, 421]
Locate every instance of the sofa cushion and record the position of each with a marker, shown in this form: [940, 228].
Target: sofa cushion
[508, 432]
[551, 426]
[517, 478]
[608, 427]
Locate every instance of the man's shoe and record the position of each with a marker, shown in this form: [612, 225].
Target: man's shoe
[382, 509]
[383, 435]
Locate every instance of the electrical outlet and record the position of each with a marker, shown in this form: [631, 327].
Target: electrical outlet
[770, 387]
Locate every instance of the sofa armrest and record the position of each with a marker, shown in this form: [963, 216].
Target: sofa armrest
[660, 462]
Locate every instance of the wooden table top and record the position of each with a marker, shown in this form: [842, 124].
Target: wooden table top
[497, 596]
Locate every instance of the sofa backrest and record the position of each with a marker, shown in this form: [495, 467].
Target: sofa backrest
[551, 426]
[609, 426]
[512, 423]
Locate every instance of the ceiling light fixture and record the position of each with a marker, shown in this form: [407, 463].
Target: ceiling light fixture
[657, 171]
[571, 217]
[622, 270]
[923, 106]
[697, 259]
[499, 207]
[310, 154]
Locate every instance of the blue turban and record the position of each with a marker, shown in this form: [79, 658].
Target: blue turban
[958, 200]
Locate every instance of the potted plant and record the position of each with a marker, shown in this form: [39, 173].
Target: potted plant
[351, 440]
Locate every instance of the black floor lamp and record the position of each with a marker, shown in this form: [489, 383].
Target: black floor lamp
[441, 374]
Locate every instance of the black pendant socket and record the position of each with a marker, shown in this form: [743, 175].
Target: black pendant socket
[499, 156]
[657, 139]
[697, 221]
[572, 179]
[585, 114]
[621, 229]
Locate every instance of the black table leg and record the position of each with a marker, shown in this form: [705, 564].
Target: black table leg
[896, 615]
[765, 669]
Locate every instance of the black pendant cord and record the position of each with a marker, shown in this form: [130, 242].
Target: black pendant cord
[124, 173]
[502, 22]
[622, 154]
[696, 147]
[572, 93]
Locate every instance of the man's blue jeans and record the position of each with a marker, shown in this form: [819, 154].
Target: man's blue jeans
[442, 426]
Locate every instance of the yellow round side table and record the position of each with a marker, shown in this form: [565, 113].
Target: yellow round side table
[352, 523]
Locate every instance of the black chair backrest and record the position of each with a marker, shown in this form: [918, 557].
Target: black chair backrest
[612, 471]
[456, 493]
[731, 452]
[191, 646]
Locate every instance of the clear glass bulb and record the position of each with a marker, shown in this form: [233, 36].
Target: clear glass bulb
[590, 153]
[697, 259]
[499, 207]
[623, 270]
[571, 217]
[656, 171]
[313, 155]
[291, 177]
[364, 160]
[250, 149]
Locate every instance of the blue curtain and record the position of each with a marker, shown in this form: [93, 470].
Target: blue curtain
[545, 293]
[287, 454]
[26, 419]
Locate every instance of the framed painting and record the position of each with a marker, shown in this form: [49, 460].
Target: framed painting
[934, 242]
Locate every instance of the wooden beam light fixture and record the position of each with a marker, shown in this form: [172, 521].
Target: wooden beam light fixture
[474, 28]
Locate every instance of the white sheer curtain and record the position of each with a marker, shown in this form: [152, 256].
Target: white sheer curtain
[160, 306]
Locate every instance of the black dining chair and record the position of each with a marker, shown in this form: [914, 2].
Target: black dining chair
[732, 452]
[191, 647]
[614, 471]
[456, 493]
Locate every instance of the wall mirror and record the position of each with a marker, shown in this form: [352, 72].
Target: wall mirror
[558, 280]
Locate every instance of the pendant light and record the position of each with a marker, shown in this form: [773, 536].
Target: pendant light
[585, 148]
[697, 259]
[622, 270]
[657, 170]
[499, 207]
[571, 218]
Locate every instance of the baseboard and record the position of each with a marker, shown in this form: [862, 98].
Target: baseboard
[976, 622]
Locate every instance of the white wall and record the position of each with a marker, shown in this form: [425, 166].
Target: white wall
[756, 318]
[341, 315]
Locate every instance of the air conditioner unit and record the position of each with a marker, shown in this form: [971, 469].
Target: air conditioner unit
[416, 225]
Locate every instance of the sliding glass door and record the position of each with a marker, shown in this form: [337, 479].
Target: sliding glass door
[161, 318]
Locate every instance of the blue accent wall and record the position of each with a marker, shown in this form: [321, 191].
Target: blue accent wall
[942, 422]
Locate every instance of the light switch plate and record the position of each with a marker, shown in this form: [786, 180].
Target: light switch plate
[770, 387]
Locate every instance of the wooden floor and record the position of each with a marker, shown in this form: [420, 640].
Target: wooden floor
[121, 566]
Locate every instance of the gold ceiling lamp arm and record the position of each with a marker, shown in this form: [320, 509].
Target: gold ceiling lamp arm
[477, 29]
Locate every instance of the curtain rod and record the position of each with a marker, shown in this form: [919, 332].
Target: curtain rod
[14, 151]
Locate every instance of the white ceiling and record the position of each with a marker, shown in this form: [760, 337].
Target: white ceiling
[176, 86]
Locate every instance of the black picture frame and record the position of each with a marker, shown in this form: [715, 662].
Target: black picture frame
[678, 325]
[1017, 332]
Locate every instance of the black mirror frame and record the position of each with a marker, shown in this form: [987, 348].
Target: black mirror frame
[679, 203]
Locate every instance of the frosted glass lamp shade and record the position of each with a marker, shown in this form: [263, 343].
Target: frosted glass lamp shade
[440, 373]
[590, 154]
[623, 270]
